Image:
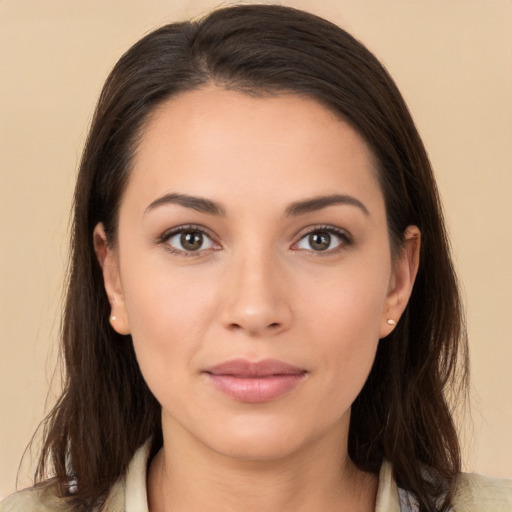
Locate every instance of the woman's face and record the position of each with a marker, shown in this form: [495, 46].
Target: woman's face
[253, 270]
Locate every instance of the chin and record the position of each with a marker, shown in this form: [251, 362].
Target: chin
[257, 440]
[257, 449]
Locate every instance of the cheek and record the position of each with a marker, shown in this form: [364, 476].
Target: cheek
[169, 313]
[161, 296]
[348, 345]
[348, 302]
[345, 316]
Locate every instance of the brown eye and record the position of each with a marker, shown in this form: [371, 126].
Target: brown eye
[324, 240]
[189, 240]
[320, 240]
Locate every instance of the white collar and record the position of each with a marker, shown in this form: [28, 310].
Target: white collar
[135, 492]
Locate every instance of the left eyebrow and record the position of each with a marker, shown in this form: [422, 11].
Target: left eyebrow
[318, 203]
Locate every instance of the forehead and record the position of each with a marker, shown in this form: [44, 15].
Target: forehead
[215, 142]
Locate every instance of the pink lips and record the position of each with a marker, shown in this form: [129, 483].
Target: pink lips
[255, 382]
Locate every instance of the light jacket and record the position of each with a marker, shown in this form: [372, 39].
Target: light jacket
[476, 493]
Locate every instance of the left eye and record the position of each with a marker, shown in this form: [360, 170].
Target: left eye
[321, 240]
[190, 240]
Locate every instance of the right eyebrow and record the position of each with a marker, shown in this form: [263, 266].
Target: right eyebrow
[199, 204]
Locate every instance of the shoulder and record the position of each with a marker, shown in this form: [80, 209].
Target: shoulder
[44, 497]
[477, 493]
[40, 498]
[129, 489]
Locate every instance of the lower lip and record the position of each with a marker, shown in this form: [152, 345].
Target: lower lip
[258, 389]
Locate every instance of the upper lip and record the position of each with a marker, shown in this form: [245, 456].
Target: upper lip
[243, 368]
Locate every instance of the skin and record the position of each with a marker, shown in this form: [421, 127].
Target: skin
[256, 288]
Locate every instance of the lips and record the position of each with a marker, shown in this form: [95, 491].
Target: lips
[255, 382]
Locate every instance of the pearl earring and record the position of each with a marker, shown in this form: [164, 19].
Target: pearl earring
[391, 321]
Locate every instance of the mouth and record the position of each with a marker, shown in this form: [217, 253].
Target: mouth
[255, 382]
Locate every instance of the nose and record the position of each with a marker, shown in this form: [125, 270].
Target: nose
[256, 301]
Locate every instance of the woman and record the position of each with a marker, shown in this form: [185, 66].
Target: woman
[262, 311]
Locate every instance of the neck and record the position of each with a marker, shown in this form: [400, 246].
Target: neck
[185, 477]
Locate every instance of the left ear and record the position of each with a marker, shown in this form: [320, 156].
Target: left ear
[403, 275]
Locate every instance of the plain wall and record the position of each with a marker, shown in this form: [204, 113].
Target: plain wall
[451, 59]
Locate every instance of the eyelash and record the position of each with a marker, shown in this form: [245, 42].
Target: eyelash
[343, 236]
[191, 228]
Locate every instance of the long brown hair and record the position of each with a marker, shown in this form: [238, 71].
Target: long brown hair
[402, 414]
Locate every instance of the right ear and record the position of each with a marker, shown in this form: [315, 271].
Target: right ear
[109, 262]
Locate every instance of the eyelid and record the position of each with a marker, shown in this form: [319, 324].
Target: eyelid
[342, 234]
[164, 238]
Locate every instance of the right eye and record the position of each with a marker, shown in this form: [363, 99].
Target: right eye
[188, 240]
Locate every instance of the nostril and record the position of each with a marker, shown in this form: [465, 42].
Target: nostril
[274, 326]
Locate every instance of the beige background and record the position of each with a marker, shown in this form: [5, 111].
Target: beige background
[451, 59]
